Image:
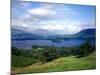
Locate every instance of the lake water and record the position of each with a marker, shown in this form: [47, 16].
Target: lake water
[30, 43]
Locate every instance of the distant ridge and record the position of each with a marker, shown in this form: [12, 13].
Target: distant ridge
[18, 34]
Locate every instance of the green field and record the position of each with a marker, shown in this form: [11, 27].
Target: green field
[20, 61]
[70, 63]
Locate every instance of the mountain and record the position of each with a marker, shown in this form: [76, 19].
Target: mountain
[18, 34]
[87, 33]
[43, 32]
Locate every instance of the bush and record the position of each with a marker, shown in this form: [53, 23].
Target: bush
[85, 49]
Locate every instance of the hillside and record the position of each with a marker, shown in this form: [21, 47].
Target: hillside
[43, 34]
[87, 33]
[61, 64]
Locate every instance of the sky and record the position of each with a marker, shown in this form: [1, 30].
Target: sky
[53, 17]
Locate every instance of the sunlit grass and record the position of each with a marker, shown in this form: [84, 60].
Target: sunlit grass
[61, 64]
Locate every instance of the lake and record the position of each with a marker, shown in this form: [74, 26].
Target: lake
[30, 43]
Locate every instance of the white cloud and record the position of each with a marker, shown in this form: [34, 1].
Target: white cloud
[63, 27]
[73, 28]
[53, 27]
[52, 17]
[41, 11]
[24, 25]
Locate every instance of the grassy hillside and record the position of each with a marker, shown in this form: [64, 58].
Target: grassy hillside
[20, 61]
[61, 64]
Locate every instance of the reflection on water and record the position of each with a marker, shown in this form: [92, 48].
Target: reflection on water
[30, 43]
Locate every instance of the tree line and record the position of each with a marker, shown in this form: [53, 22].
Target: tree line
[48, 53]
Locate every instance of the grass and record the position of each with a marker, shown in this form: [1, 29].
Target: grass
[61, 64]
[20, 61]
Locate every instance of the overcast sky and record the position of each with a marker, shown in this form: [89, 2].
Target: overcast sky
[60, 18]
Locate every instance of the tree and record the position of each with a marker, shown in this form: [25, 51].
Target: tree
[85, 49]
[39, 55]
[15, 51]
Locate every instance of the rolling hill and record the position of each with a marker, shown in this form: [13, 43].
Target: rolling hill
[61, 64]
[43, 34]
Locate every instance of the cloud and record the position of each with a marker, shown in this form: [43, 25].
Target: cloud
[58, 18]
[52, 11]
[65, 27]
[73, 29]
[53, 27]
[41, 12]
